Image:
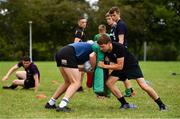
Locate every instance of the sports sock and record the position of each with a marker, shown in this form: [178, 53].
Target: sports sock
[159, 102]
[64, 102]
[52, 101]
[131, 90]
[128, 91]
[122, 100]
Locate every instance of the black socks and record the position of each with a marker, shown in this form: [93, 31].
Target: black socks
[122, 100]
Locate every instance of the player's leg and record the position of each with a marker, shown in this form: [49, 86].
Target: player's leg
[75, 81]
[117, 93]
[151, 92]
[129, 92]
[21, 75]
[136, 73]
[74, 77]
[80, 89]
[15, 84]
[111, 85]
[18, 82]
[59, 91]
[62, 88]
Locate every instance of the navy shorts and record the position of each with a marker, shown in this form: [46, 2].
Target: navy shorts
[66, 57]
[128, 73]
[29, 83]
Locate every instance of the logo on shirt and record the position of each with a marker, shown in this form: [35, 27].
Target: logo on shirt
[64, 62]
[114, 55]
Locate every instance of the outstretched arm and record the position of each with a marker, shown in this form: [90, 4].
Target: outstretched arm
[11, 70]
[36, 78]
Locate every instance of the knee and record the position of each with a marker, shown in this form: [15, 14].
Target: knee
[142, 83]
[144, 86]
[76, 82]
[109, 84]
[17, 74]
[67, 82]
[20, 75]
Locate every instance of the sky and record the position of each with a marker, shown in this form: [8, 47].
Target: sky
[92, 1]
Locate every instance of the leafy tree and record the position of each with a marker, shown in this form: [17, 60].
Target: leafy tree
[157, 22]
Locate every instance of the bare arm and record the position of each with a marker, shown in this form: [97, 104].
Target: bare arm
[121, 38]
[92, 58]
[36, 78]
[116, 66]
[11, 70]
[77, 39]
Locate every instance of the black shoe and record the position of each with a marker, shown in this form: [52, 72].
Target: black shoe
[6, 87]
[48, 106]
[64, 109]
[128, 106]
[80, 89]
[9, 87]
[162, 107]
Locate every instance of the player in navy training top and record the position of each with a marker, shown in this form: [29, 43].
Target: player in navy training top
[79, 33]
[121, 31]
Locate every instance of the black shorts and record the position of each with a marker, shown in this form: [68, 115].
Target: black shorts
[29, 83]
[66, 57]
[129, 73]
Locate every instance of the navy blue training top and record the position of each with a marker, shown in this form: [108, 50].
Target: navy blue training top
[120, 51]
[30, 71]
[80, 34]
[121, 28]
[82, 50]
[112, 33]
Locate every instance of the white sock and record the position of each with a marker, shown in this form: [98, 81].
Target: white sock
[64, 102]
[52, 101]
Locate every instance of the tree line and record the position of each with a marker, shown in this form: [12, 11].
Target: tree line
[54, 22]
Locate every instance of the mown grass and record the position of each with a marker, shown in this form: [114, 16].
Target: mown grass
[22, 103]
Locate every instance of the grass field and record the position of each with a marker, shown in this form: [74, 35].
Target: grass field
[22, 103]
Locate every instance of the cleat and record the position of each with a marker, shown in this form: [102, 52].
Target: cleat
[48, 106]
[162, 107]
[128, 106]
[64, 109]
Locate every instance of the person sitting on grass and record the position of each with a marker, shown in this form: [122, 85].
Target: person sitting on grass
[28, 79]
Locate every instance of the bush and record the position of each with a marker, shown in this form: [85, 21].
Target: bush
[160, 52]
